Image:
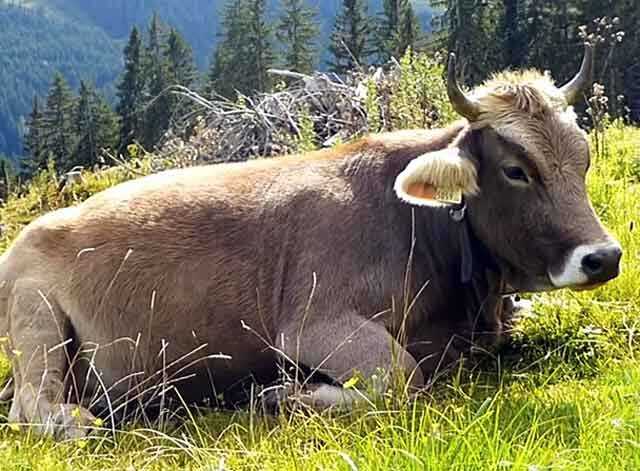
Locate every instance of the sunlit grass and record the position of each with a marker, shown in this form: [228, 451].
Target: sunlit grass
[564, 395]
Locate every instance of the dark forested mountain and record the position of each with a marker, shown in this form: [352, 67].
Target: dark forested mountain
[83, 39]
[34, 45]
[197, 20]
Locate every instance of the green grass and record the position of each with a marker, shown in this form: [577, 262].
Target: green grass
[564, 395]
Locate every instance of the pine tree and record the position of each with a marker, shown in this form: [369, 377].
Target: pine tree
[59, 135]
[398, 29]
[245, 51]
[158, 112]
[34, 139]
[215, 83]
[409, 29]
[83, 120]
[95, 125]
[470, 30]
[351, 38]
[260, 45]
[512, 34]
[181, 70]
[297, 32]
[131, 99]
[179, 58]
[105, 123]
[622, 75]
[227, 65]
[7, 177]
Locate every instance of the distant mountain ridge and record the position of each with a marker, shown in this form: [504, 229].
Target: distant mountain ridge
[83, 39]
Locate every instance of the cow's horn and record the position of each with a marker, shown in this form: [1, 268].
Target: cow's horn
[581, 81]
[461, 102]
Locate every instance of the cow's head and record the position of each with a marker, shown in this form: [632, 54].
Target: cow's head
[521, 165]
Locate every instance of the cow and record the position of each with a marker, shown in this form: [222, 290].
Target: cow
[392, 253]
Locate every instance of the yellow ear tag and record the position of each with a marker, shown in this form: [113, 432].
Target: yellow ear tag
[440, 196]
[448, 196]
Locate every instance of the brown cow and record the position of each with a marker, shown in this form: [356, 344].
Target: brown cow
[341, 261]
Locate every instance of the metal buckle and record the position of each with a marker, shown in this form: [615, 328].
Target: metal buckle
[457, 214]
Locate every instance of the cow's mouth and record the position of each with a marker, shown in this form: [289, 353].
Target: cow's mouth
[519, 281]
[587, 287]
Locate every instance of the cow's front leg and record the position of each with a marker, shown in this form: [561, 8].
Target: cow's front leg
[514, 310]
[343, 348]
[39, 335]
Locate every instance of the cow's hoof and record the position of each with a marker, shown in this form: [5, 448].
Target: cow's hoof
[519, 309]
[69, 422]
[275, 399]
[286, 397]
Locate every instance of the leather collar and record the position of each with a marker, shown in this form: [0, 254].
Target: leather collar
[473, 253]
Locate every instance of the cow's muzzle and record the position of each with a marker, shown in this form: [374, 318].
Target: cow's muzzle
[588, 266]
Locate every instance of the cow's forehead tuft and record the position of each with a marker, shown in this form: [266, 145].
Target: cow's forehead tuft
[517, 95]
[527, 108]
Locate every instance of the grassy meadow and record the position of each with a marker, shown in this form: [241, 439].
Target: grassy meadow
[564, 395]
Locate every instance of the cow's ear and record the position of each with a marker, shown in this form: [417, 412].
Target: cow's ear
[437, 178]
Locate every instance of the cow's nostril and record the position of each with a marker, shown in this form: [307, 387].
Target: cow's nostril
[592, 264]
[603, 264]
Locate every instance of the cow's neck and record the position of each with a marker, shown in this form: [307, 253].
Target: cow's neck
[464, 276]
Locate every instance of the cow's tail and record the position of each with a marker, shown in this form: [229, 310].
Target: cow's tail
[6, 390]
[4, 296]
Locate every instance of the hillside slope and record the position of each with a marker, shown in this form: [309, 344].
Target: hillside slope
[35, 44]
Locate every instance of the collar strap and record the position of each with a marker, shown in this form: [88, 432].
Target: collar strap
[457, 214]
[471, 249]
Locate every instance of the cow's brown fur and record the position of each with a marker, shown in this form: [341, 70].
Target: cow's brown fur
[309, 257]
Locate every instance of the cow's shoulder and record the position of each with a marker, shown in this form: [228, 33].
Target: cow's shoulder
[414, 140]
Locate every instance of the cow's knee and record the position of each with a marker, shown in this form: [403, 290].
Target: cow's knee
[415, 378]
[355, 347]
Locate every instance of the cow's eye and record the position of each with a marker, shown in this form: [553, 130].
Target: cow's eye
[516, 173]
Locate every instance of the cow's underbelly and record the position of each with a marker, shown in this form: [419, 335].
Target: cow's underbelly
[138, 360]
[121, 375]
